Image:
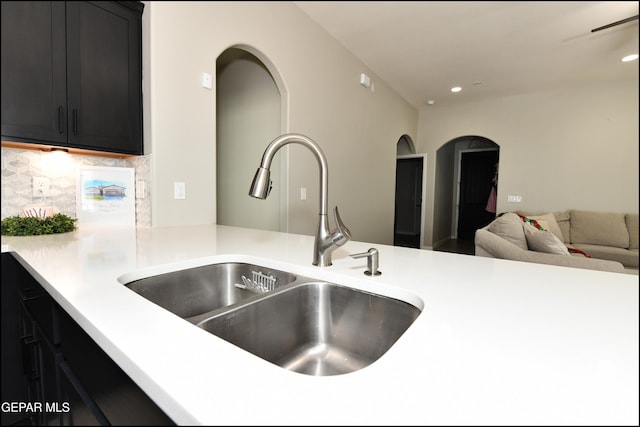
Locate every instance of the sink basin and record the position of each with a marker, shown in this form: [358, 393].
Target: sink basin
[299, 323]
[194, 292]
[315, 328]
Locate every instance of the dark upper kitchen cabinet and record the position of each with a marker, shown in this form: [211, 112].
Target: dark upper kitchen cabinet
[72, 74]
[34, 89]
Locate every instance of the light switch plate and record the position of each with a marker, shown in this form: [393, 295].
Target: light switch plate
[207, 81]
[365, 80]
[140, 189]
[179, 190]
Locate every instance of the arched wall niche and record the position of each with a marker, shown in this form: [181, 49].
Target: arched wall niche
[405, 146]
[251, 110]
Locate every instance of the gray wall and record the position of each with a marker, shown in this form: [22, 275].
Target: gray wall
[575, 148]
[357, 128]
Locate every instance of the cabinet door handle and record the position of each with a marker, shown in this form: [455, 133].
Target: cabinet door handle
[60, 119]
[29, 339]
[29, 294]
[75, 121]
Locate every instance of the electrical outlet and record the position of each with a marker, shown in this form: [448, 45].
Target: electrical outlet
[514, 199]
[41, 186]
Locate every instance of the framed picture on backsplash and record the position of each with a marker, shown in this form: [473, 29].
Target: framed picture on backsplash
[105, 195]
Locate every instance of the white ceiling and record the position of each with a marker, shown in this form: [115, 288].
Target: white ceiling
[423, 48]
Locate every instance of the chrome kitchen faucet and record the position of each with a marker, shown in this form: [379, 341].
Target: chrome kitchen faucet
[326, 241]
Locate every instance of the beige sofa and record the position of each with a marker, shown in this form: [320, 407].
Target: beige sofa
[563, 238]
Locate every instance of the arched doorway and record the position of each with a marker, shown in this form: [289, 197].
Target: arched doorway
[455, 199]
[478, 173]
[408, 225]
[248, 117]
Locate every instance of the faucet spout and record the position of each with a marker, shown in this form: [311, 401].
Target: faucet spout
[326, 240]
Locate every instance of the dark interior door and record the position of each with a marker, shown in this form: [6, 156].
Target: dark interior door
[408, 207]
[477, 169]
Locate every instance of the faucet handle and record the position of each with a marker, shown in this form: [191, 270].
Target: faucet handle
[342, 234]
[372, 261]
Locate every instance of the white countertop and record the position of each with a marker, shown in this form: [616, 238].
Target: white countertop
[498, 342]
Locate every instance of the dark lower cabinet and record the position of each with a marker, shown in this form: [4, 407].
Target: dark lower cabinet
[79, 408]
[40, 373]
[120, 400]
[13, 386]
[54, 368]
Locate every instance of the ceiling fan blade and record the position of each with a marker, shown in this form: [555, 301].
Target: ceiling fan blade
[613, 24]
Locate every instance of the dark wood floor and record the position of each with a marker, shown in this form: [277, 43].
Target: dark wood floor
[458, 246]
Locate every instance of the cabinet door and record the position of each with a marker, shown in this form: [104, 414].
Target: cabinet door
[104, 74]
[116, 395]
[40, 370]
[80, 409]
[13, 387]
[40, 306]
[34, 72]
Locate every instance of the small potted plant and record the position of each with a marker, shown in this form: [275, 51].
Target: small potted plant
[34, 225]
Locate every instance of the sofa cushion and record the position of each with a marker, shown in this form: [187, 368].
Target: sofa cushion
[599, 228]
[627, 257]
[548, 222]
[543, 241]
[632, 227]
[491, 245]
[509, 227]
[563, 219]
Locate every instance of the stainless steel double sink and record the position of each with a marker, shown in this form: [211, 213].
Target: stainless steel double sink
[299, 323]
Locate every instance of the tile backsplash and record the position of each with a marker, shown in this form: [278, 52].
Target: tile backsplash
[19, 167]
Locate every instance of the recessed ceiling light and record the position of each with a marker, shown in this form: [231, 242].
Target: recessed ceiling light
[431, 102]
[630, 58]
[456, 89]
